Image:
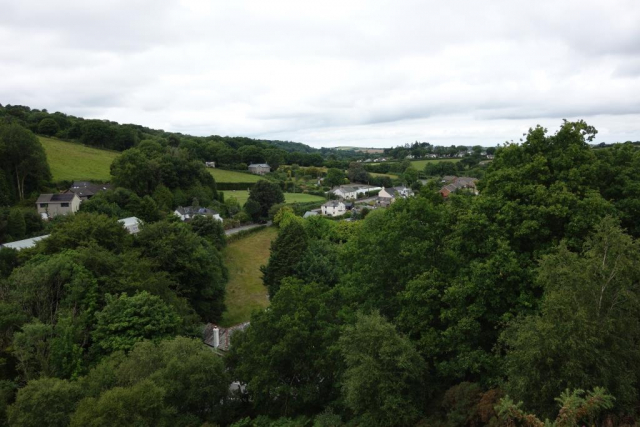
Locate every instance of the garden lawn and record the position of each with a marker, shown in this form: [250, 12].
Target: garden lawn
[222, 175]
[243, 195]
[71, 161]
[245, 291]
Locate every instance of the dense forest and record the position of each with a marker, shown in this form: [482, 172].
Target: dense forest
[510, 307]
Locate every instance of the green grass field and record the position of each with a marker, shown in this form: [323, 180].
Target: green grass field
[222, 175]
[243, 195]
[245, 291]
[420, 164]
[71, 161]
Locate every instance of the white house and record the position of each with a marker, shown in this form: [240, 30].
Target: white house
[393, 193]
[334, 208]
[187, 213]
[58, 204]
[352, 191]
[259, 168]
[210, 164]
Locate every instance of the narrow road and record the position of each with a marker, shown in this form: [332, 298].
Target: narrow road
[231, 231]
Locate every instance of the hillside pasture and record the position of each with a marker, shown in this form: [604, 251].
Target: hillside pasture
[71, 161]
[243, 195]
[223, 175]
[245, 291]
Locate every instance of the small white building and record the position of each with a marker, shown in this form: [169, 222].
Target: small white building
[352, 191]
[210, 164]
[131, 224]
[23, 244]
[334, 208]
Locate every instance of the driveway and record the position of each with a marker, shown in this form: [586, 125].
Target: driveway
[231, 231]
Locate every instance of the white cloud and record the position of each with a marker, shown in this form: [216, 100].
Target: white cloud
[332, 72]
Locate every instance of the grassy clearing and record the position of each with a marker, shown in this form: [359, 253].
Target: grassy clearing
[420, 164]
[242, 196]
[71, 161]
[245, 291]
[222, 175]
[390, 175]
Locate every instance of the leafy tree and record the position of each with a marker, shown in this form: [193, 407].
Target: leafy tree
[357, 173]
[410, 175]
[576, 407]
[127, 320]
[286, 252]
[588, 327]
[139, 405]
[287, 357]
[48, 127]
[44, 402]
[334, 178]
[193, 264]
[210, 229]
[383, 378]
[83, 229]
[266, 194]
[16, 225]
[23, 159]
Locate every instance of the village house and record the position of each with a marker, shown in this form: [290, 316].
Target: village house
[459, 183]
[259, 168]
[189, 212]
[86, 190]
[353, 191]
[51, 205]
[334, 208]
[395, 192]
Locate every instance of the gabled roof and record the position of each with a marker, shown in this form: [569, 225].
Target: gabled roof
[259, 165]
[307, 214]
[333, 203]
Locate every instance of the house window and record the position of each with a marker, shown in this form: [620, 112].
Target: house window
[44, 205]
[65, 205]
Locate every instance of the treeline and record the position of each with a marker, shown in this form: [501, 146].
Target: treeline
[228, 152]
[419, 150]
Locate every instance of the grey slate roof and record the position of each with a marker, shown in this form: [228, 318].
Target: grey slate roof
[259, 165]
[55, 198]
[24, 244]
[190, 210]
[87, 189]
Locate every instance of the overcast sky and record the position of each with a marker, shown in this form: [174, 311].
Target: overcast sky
[366, 73]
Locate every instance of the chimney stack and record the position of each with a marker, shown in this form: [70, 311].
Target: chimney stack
[216, 337]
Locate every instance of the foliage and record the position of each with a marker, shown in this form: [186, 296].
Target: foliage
[288, 358]
[210, 229]
[126, 320]
[383, 377]
[587, 328]
[286, 252]
[575, 406]
[266, 194]
[191, 262]
[44, 402]
[23, 160]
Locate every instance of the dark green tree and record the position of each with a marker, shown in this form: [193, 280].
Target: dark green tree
[23, 159]
[384, 374]
[286, 252]
[266, 194]
[47, 402]
[127, 320]
[48, 127]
